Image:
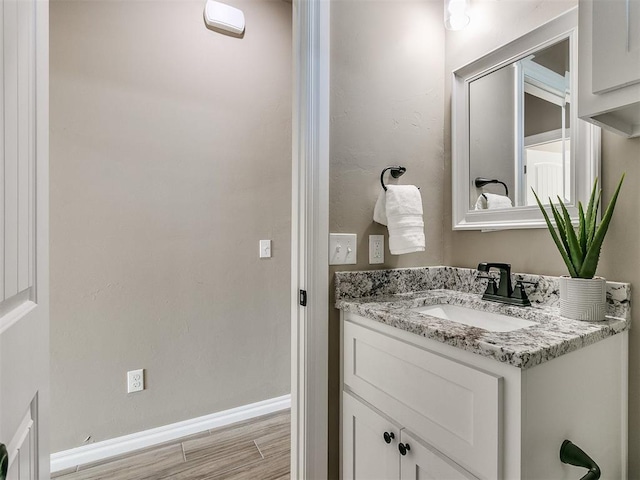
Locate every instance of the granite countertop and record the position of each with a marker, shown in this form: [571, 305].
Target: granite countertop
[387, 296]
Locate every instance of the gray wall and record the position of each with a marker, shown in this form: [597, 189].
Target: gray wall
[170, 159]
[386, 109]
[541, 116]
[533, 250]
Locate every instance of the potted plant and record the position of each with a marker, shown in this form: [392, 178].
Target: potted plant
[582, 295]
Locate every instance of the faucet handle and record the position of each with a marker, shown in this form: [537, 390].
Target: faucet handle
[492, 286]
[520, 293]
[485, 277]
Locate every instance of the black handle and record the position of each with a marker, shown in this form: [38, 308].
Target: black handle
[492, 286]
[573, 455]
[485, 277]
[4, 461]
[388, 436]
[520, 292]
[404, 448]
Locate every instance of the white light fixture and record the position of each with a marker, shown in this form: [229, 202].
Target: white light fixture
[455, 14]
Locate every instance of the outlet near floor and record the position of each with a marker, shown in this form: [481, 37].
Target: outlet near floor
[135, 380]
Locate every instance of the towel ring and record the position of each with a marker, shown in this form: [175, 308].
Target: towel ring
[396, 172]
[481, 182]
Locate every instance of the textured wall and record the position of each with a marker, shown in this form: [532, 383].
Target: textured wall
[170, 159]
[533, 250]
[387, 93]
[621, 259]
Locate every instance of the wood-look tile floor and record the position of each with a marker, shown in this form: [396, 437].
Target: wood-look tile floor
[257, 449]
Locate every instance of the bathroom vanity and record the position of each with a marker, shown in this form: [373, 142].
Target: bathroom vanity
[424, 396]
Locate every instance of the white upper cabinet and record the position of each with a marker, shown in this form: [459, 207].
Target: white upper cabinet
[609, 64]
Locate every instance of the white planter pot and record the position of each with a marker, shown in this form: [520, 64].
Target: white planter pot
[583, 299]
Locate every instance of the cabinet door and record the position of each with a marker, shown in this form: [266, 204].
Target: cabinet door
[423, 463]
[616, 44]
[365, 453]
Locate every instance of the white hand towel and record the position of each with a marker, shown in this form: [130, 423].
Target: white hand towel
[404, 219]
[481, 203]
[492, 201]
[380, 210]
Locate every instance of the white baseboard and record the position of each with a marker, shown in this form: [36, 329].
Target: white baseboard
[135, 441]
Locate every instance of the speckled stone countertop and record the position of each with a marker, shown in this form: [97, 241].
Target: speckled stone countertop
[387, 295]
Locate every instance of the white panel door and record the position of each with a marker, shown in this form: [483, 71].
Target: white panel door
[24, 289]
[367, 453]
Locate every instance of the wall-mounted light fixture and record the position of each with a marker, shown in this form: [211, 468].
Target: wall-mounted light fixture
[456, 16]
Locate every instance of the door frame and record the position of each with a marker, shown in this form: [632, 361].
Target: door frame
[309, 240]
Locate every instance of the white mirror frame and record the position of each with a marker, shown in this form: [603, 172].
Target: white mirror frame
[585, 137]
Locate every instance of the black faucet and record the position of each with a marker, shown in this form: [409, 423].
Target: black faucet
[504, 293]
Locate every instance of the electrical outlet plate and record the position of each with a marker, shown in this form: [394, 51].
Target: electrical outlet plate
[135, 380]
[376, 249]
[343, 249]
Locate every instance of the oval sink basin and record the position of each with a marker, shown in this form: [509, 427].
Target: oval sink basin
[494, 322]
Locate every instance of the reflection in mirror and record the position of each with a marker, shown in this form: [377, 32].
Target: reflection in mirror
[514, 128]
[519, 131]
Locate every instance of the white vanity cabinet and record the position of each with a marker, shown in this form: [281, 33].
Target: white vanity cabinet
[466, 416]
[609, 64]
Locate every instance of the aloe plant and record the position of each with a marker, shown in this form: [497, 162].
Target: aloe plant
[580, 249]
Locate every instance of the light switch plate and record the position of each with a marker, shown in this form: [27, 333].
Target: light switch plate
[343, 249]
[376, 249]
[265, 248]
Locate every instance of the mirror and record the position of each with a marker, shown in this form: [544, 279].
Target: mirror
[515, 129]
[528, 141]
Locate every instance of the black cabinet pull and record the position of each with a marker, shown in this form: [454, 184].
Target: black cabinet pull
[4, 461]
[404, 448]
[574, 455]
[388, 436]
